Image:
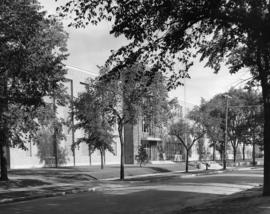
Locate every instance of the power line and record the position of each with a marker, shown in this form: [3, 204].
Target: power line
[238, 82]
[82, 70]
[248, 106]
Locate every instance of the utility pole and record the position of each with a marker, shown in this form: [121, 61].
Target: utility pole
[185, 134]
[226, 131]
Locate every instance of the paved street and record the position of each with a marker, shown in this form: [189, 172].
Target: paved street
[160, 194]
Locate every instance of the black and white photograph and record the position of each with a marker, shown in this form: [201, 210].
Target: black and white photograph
[135, 106]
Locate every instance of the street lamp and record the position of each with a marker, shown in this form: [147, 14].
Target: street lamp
[226, 130]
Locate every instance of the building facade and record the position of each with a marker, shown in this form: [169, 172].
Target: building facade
[158, 144]
[32, 157]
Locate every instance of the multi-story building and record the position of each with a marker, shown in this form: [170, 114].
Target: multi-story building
[134, 135]
[142, 133]
[76, 80]
[146, 134]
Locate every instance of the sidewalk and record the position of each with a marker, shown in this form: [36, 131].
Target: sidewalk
[26, 184]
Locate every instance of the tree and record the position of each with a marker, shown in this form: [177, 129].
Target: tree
[253, 128]
[210, 115]
[93, 121]
[48, 135]
[230, 31]
[241, 107]
[32, 49]
[182, 128]
[236, 118]
[126, 98]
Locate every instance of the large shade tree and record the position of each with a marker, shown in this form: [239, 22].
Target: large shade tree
[32, 47]
[235, 32]
[126, 98]
[122, 99]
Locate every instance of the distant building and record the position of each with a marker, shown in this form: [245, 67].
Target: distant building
[142, 133]
[30, 158]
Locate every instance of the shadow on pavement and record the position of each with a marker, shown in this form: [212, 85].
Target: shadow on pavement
[143, 202]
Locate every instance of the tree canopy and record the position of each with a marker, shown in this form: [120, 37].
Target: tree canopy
[33, 47]
[243, 110]
[169, 31]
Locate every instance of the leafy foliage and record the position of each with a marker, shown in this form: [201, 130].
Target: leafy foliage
[48, 125]
[32, 50]
[163, 32]
[142, 156]
[244, 110]
[93, 121]
[187, 134]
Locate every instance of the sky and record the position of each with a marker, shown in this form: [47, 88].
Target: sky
[91, 46]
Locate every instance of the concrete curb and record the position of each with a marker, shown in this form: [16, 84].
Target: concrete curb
[200, 173]
[46, 195]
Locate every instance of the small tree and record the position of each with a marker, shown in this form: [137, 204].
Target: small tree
[124, 96]
[182, 128]
[95, 124]
[48, 136]
[142, 156]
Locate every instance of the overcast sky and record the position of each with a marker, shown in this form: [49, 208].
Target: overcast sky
[91, 46]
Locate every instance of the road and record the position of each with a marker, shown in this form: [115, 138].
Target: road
[163, 194]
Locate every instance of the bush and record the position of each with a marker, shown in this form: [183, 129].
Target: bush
[142, 156]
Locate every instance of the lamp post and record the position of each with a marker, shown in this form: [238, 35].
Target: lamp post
[226, 130]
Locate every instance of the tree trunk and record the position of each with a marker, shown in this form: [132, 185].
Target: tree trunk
[266, 186]
[187, 160]
[90, 155]
[104, 156]
[4, 132]
[214, 151]
[234, 153]
[264, 77]
[253, 154]
[4, 162]
[122, 170]
[101, 159]
[243, 151]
